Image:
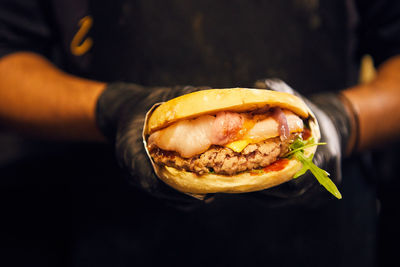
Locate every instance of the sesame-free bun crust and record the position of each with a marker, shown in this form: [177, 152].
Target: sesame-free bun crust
[189, 182]
[214, 100]
[242, 100]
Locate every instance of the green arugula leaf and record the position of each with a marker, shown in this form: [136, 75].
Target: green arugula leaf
[297, 151]
[303, 147]
[302, 171]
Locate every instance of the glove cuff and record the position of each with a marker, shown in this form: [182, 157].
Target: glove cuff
[343, 116]
[109, 104]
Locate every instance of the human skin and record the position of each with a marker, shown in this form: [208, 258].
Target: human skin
[38, 99]
[377, 104]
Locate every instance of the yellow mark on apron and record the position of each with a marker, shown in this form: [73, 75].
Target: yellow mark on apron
[367, 69]
[78, 45]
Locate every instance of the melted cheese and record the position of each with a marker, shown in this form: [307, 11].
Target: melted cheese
[238, 145]
[260, 128]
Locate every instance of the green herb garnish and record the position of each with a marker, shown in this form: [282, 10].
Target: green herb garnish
[297, 151]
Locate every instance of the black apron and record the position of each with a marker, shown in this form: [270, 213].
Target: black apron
[308, 44]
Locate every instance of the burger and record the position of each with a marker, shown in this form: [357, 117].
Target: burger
[228, 140]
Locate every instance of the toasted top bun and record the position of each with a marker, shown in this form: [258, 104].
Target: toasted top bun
[210, 102]
[214, 100]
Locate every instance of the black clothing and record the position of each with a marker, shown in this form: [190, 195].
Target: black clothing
[218, 43]
[312, 45]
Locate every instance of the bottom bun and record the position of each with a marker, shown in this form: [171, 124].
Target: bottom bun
[189, 182]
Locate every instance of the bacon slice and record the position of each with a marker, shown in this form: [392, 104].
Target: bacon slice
[225, 127]
[187, 137]
[269, 127]
[195, 136]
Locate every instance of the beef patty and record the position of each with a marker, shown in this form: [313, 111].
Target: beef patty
[222, 160]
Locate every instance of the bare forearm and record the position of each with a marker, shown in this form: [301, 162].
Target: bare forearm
[39, 99]
[378, 106]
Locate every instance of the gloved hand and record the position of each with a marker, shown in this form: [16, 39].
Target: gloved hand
[121, 111]
[336, 126]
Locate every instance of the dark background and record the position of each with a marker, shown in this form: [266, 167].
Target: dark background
[58, 219]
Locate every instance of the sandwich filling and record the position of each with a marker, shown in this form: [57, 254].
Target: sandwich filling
[227, 142]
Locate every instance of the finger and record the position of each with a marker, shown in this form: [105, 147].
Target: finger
[274, 84]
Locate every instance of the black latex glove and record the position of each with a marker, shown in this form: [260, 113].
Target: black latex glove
[335, 126]
[121, 111]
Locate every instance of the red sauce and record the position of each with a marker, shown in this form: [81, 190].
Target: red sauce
[277, 165]
[306, 133]
[273, 167]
